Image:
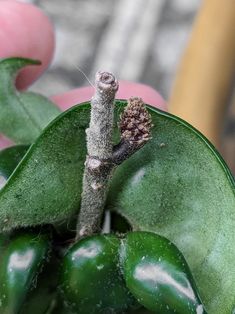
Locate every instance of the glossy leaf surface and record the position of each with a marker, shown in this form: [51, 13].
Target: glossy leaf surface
[179, 187]
[176, 186]
[21, 259]
[92, 281]
[158, 275]
[23, 114]
[43, 299]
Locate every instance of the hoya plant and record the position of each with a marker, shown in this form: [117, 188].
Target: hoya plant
[113, 206]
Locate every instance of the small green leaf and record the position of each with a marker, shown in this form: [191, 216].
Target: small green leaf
[43, 297]
[46, 186]
[157, 274]
[21, 261]
[179, 187]
[91, 278]
[23, 114]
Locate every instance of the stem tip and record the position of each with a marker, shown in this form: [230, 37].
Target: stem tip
[105, 81]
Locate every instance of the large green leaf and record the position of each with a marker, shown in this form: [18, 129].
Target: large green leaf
[179, 187]
[23, 115]
[46, 185]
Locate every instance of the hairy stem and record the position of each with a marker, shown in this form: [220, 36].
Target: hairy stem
[98, 166]
[103, 157]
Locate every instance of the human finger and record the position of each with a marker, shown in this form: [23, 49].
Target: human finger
[126, 90]
[25, 31]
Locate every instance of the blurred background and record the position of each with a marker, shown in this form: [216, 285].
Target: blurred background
[185, 49]
[143, 40]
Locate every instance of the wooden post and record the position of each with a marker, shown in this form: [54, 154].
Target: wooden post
[204, 79]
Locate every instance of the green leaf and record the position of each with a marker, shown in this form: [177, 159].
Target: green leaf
[43, 297]
[21, 261]
[46, 185]
[23, 114]
[10, 158]
[179, 187]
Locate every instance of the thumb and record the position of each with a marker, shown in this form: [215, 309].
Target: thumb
[26, 32]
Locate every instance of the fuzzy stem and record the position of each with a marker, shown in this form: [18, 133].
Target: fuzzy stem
[103, 157]
[98, 166]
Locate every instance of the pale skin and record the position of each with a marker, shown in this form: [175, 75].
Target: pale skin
[27, 32]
